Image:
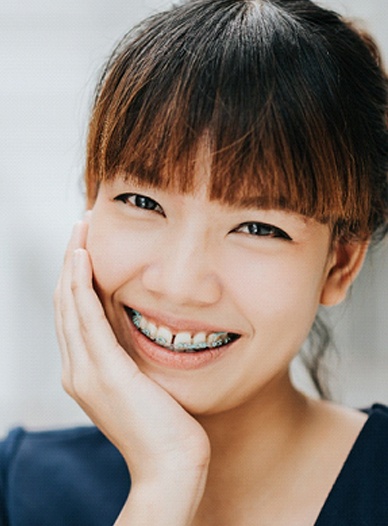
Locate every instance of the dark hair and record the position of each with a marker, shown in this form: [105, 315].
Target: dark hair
[289, 100]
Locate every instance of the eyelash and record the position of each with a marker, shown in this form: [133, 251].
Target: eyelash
[257, 229]
[263, 230]
[140, 201]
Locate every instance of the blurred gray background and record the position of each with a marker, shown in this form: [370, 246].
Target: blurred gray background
[50, 55]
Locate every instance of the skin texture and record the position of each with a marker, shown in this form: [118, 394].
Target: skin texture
[156, 437]
[187, 262]
[194, 265]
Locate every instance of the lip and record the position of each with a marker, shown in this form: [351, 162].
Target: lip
[149, 351]
[179, 324]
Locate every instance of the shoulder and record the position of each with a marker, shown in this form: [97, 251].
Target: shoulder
[372, 442]
[379, 410]
[360, 493]
[39, 469]
[38, 453]
[369, 451]
[20, 439]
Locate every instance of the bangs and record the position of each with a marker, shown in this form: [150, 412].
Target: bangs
[247, 86]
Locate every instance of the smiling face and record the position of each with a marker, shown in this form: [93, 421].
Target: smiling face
[259, 92]
[202, 294]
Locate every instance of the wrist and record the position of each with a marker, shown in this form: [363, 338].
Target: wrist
[170, 500]
[186, 466]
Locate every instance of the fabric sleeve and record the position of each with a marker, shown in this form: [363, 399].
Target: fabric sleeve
[8, 447]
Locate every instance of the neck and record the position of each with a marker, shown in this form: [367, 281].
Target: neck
[251, 443]
[278, 409]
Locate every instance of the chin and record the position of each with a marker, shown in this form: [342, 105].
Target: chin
[198, 398]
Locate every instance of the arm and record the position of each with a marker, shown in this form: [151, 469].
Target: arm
[166, 450]
[171, 501]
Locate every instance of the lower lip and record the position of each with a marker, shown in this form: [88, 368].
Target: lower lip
[150, 351]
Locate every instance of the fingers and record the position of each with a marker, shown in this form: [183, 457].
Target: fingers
[95, 330]
[139, 417]
[89, 349]
[66, 321]
[77, 239]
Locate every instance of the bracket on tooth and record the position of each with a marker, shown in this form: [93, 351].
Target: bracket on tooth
[136, 318]
[214, 340]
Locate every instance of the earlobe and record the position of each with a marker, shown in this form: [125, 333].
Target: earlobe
[345, 263]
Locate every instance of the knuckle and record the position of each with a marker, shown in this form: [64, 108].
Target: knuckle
[76, 386]
[74, 285]
[82, 387]
[86, 323]
[90, 320]
[67, 384]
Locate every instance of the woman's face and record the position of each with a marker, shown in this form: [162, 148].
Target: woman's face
[230, 293]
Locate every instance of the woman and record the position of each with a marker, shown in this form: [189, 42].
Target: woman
[236, 175]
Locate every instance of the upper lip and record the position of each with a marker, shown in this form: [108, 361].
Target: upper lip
[179, 324]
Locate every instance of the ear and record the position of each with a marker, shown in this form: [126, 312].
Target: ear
[345, 263]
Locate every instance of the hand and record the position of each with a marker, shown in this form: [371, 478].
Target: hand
[158, 439]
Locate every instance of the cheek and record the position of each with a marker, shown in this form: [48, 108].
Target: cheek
[117, 255]
[277, 292]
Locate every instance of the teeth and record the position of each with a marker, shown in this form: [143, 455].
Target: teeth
[152, 330]
[216, 338]
[164, 336]
[199, 338]
[182, 341]
[143, 323]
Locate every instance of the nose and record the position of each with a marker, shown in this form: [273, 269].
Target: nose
[183, 272]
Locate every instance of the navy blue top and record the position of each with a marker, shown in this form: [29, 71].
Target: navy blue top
[76, 477]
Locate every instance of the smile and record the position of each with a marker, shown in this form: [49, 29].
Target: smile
[182, 341]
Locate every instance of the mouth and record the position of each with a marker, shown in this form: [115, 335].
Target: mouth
[180, 342]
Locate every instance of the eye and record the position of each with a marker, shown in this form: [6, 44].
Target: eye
[263, 230]
[140, 201]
